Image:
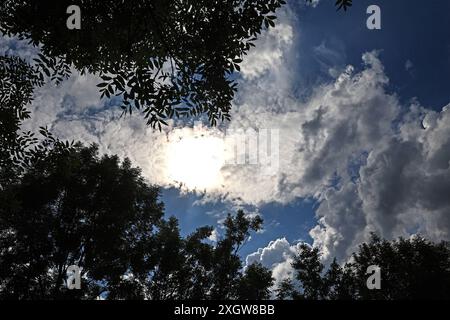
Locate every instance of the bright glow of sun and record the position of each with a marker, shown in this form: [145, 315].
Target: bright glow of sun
[195, 162]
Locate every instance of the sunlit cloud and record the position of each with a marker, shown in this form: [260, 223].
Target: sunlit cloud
[195, 160]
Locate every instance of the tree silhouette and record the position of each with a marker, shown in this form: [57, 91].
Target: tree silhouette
[227, 263]
[166, 59]
[19, 149]
[17, 82]
[255, 283]
[343, 4]
[72, 207]
[285, 290]
[410, 269]
[308, 272]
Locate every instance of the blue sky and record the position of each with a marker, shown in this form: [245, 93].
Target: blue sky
[292, 221]
[413, 31]
[414, 46]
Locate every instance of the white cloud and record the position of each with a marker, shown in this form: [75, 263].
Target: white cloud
[13, 46]
[402, 189]
[269, 54]
[214, 237]
[371, 167]
[277, 256]
[408, 65]
[313, 3]
[319, 138]
[331, 56]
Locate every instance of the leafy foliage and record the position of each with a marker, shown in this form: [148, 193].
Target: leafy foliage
[72, 207]
[164, 58]
[343, 4]
[286, 290]
[410, 269]
[340, 4]
[17, 81]
[308, 272]
[227, 261]
[18, 149]
[255, 283]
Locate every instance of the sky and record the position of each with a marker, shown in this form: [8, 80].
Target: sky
[363, 125]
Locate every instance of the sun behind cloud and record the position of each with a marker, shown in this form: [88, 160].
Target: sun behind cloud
[196, 161]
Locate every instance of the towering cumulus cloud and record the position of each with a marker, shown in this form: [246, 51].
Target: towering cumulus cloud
[372, 163]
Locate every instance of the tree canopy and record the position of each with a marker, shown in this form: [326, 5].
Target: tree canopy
[72, 207]
[18, 79]
[410, 269]
[166, 59]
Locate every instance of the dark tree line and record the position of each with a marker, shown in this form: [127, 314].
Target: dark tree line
[73, 207]
[410, 269]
